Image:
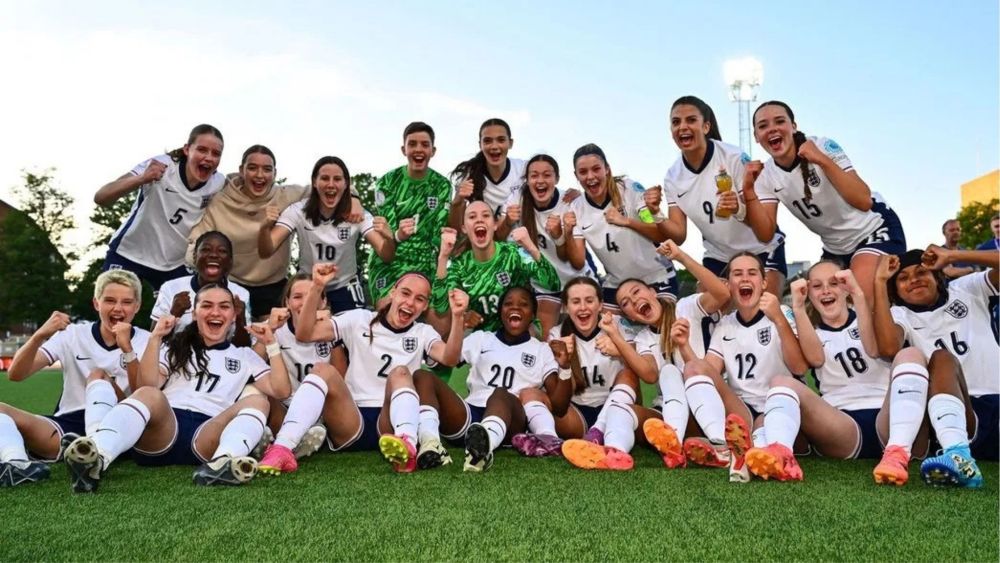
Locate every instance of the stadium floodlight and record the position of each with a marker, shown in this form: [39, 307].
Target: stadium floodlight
[744, 77]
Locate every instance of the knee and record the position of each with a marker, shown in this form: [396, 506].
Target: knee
[257, 402]
[326, 372]
[695, 367]
[942, 360]
[400, 376]
[627, 377]
[528, 395]
[910, 355]
[98, 375]
[148, 396]
[783, 381]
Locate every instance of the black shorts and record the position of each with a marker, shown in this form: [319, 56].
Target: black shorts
[181, 450]
[263, 298]
[774, 261]
[367, 438]
[887, 238]
[155, 278]
[589, 414]
[347, 298]
[869, 443]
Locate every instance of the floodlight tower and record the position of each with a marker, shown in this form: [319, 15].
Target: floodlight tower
[744, 77]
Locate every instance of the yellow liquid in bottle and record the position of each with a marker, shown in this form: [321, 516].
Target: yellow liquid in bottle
[724, 183]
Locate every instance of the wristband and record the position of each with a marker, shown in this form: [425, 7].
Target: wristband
[129, 357]
[561, 240]
[273, 349]
[565, 374]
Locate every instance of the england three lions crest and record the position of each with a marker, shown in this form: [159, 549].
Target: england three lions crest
[503, 278]
[323, 349]
[232, 365]
[957, 309]
[343, 233]
[527, 359]
[410, 344]
[764, 336]
[432, 202]
[854, 333]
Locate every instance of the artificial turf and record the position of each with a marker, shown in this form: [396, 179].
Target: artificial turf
[353, 507]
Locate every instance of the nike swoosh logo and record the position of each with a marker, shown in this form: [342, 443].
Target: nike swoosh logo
[81, 358]
[585, 228]
[776, 190]
[682, 194]
[902, 391]
[366, 335]
[171, 190]
[946, 414]
[825, 343]
[483, 351]
[729, 339]
[919, 328]
[285, 347]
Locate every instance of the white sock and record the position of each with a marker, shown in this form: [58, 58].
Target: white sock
[782, 416]
[404, 406]
[947, 414]
[620, 393]
[120, 429]
[759, 437]
[241, 434]
[99, 398]
[430, 424]
[622, 422]
[540, 420]
[706, 405]
[675, 406]
[907, 402]
[303, 412]
[11, 441]
[496, 429]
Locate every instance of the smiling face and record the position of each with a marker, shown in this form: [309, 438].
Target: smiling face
[213, 260]
[542, 179]
[203, 156]
[583, 307]
[746, 281]
[639, 303]
[330, 185]
[995, 227]
[418, 148]
[117, 304]
[916, 285]
[495, 143]
[479, 225]
[516, 312]
[592, 173]
[826, 294]
[297, 297]
[258, 174]
[773, 130]
[214, 313]
[408, 300]
[688, 128]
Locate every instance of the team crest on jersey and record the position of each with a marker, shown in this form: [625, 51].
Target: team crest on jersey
[343, 233]
[764, 336]
[527, 359]
[503, 278]
[121, 361]
[205, 200]
[410, 344]
[957, 309]
[380, 283]
[232, 365]
[323, 349]
[813, 178]
[432, 202]
[854, 333]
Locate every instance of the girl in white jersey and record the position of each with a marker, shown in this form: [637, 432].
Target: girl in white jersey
[325, 235]
[386, 348]
[855, 413]
[815, 180]
[949, 324]
[99, 367]
[489, 176]
[537, 206]
[752, 345]
[174, 190]
[511, 389]
[607, 218]
[702, 186]
[187, 410]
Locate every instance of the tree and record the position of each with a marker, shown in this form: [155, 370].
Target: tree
[46, 205]
[364, 186]
[38, 283]
[975, 221]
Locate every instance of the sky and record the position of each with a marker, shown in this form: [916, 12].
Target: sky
[909, 90]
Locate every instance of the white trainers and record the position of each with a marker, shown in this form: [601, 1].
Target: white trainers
[311, 442]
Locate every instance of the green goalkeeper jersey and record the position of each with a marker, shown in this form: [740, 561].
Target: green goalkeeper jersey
[486, 281]
[398, 197]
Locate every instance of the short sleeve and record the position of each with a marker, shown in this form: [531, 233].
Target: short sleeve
[430, 338]
[645, 343]
[138, 169]
[291, 217]
[765, 184]
[902, 320]
[790, 317]
[367, 223]
[976, 283]
[513, 199]
[162, 353]
[54, 348]
[470, 347]
[161, 307]
[669, 192]
[256, 367]
[836, 153]
[719, 336]
[344, 323]
[577, 208]
[547, 360]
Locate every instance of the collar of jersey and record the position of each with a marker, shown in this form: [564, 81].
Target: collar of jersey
[941, 300]
[756, 318]
[851, 315]
[182, 168]
[709, 151]
[386, 324]
[95, 330]
[792, 167]
[585, 338]
[552, 202]
[195, 286]
[607, 202]
[224, 345]
[506, 172]
[519, 340]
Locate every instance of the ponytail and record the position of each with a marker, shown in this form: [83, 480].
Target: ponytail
[579, 381]
[668, 314]
[707, 115]
[177, 155]
[800, 138]
[184, 346]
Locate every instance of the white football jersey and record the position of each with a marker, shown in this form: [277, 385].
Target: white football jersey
[546, 244]
[624, 252]
[647, 342]
[695, 193]
[495, 195]
[170, 289]
[214, 390]
[156, 231]
[752, 355]
[494, 363]
[961, 326]
[849, 378]
[326, 242]
[80, 349]
[371, 361]
[300, 357]
[840, 226]
[599, 369]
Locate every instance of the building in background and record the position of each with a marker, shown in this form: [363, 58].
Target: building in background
[982, 189]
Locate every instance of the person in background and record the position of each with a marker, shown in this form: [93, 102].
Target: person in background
[993, 243]
[952, 231]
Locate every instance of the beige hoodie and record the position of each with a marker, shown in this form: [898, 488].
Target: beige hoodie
[234, 213]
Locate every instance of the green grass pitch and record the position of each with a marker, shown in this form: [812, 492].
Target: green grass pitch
[353, 507]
